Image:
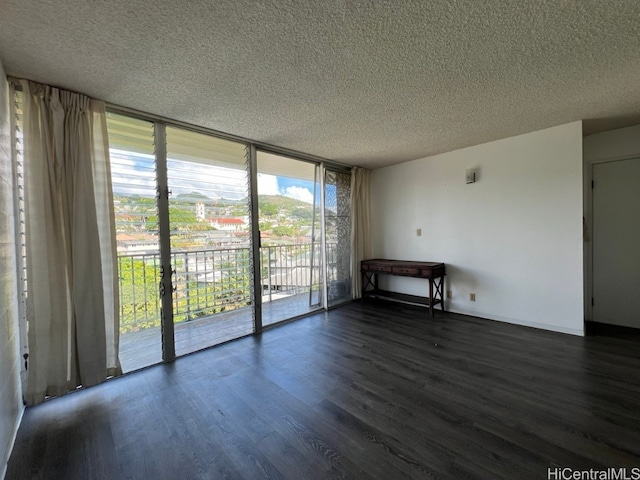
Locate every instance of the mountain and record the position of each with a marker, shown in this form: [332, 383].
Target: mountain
[283, 202]
[193, 197]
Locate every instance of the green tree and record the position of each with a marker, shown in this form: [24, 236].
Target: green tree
[285, 231]
[268, 209]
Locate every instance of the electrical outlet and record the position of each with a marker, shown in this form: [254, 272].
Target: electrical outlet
[472, 297]
[418, 232]
[449, 294]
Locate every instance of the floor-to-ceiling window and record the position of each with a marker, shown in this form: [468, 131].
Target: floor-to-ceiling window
[133, 176]
[182, 208]
[203, 182]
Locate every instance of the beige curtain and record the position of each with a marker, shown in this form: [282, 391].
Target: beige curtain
[361, 241]
[72, 301]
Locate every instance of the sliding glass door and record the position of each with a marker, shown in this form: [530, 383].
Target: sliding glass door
[209, 238]
[290, 222]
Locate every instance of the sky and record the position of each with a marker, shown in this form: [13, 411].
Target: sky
[135, 174]
[288, 187]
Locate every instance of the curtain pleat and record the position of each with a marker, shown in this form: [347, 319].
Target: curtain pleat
[361, 240]
[70, 243]
[103, 192]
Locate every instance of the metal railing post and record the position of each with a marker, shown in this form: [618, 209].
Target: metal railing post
[269, 271]
[187, 288]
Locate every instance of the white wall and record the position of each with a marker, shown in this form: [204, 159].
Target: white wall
[10, 390]
[619, 144]
[514, 238]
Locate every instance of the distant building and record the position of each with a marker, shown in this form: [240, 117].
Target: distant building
[227, 224]
[137, 243]
[200, 215]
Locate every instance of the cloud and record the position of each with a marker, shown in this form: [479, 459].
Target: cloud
[299, 193]
[268, 184]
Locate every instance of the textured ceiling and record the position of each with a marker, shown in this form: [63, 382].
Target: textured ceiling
[369, 83]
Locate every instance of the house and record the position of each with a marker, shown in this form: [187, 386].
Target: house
[532, 97]
[137, 243]
[227, 224]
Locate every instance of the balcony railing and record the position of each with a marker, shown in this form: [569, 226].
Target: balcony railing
[211, 281]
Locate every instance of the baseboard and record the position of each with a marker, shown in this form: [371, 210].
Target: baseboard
[524, 323]
[5, 461]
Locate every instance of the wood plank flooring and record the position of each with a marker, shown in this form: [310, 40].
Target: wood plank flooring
[366, 391]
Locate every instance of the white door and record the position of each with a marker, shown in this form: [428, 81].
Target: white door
[616, 243]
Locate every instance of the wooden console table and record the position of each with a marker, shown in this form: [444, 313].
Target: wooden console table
[432, 271]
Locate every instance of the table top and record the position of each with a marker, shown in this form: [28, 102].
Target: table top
[405, 268]
[401, 262]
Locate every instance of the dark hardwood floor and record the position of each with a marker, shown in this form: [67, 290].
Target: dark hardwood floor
[373, 390]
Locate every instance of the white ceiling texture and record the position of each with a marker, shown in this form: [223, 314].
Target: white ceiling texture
[368, 83]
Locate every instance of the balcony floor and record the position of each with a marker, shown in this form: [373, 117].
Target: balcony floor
[143, 348]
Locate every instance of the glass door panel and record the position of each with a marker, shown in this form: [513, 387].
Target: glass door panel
[337, 214]
[290, 236]
[133, 177]
[210, 239]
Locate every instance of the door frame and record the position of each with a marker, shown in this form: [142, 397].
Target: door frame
[588, 228]
[255, 238]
